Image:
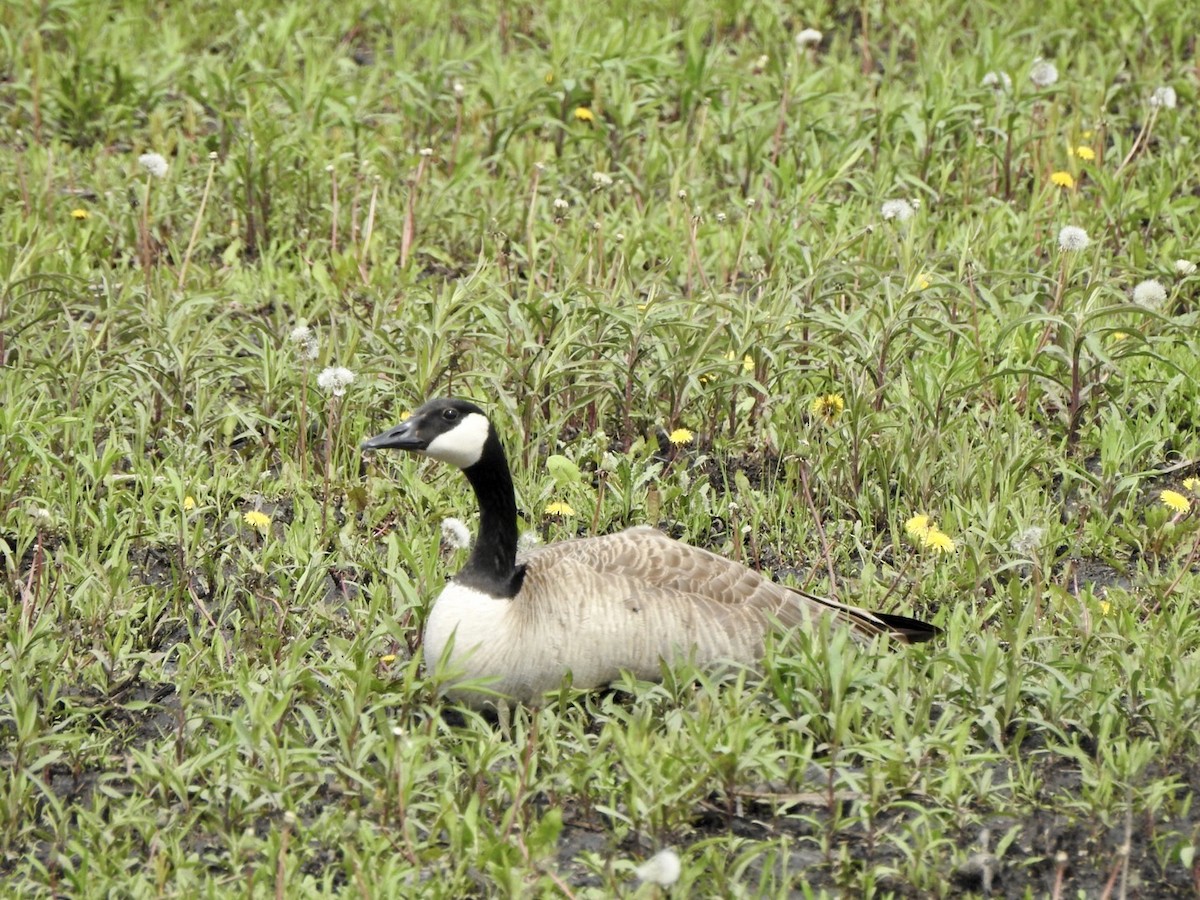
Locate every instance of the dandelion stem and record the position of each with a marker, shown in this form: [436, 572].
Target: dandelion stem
[530, 248]
[692, 228]
[812, 508]
[737, 260]
[333, 217]
[1183, 570]
[408, 235]
[331, 427]
[145, 230]
[368, 230]
[187, 256]
[303, 422]
[1140, 140]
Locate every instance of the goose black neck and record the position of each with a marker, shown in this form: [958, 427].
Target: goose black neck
[492, 567]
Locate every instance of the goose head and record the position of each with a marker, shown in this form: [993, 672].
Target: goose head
[452, 431]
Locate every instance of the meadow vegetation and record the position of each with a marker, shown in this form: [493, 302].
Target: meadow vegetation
[781, 294]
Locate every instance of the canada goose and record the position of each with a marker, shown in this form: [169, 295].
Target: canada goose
[590, 606]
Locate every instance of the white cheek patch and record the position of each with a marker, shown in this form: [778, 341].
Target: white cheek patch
[462, 445]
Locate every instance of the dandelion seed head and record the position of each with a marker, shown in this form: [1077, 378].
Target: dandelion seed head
[662, 869]
[306, 342]
[1073, 238]
[335, 380]
[720, 218]
[1044, 73]
[455, 534]
[1000, 82]
[154, 163]
[602, 179]
[561, 205]
[1184, 267]
[808, 37]
[900, 210]
[425, 151]
[1028, 540]
[458, 89]
[528, 540]
[1164, 97]
[1149, 293]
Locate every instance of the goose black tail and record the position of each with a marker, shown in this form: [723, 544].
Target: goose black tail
[912, 630]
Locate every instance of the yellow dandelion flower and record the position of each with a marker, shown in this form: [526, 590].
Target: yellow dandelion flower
[583, 114]
[1088, 135]
[80, 214]
[1063, 179]
[1105, 607]
[256, 519]
[1119, 335]
[918, 526]
[747, 361]
[938, 540]
[549, 76]
[1192, 484]
[1175, 500]
[923, 282]
[558, 508]
[1085, 153]
[388, 658]
[189, 503]
[679, 437]
[828, 407]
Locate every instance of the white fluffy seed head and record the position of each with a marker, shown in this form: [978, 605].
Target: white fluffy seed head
[663, 868]
[1184, 267]
[1029, 540]
[809, 37]
[463, 444]
[154, 163]
[1072, 237]
[335, 380]
[1149, 293]
[1164, 97]
[900, 210]
[455, 534]
[998, 81]
[1044, 73]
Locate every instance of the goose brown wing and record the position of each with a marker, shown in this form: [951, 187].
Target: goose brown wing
[650, 567]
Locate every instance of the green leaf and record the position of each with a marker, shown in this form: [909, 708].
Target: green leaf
[563, 471]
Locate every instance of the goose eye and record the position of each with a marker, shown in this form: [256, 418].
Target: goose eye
[449, 414]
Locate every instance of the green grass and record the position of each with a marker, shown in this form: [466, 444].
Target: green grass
[194, 705]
